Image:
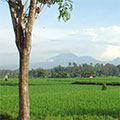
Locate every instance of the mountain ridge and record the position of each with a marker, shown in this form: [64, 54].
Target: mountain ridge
[64, 60]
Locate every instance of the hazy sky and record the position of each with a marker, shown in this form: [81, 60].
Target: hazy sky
[94, 30]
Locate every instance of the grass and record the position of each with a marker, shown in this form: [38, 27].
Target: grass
[58, 99]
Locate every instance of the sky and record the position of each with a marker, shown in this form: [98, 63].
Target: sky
[93, 30]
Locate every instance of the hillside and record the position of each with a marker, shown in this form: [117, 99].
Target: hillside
[64, 60]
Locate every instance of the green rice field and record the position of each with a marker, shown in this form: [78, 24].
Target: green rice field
[59, 99]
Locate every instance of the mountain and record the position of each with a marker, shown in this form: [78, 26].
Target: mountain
[115, 61]
[9, 67]
[87, 60]
[69, 57]
[64, 60]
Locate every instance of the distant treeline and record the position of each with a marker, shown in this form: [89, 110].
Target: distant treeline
[85, 70]
[72, 70]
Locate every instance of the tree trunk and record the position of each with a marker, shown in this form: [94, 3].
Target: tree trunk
[23, 34]
[23, 85]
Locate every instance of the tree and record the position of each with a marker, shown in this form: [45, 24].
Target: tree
[41, 72]
[58, 69]
[24, 14]
[69, 63]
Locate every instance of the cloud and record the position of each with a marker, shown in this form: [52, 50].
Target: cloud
[107, 39]
[8, 49]
[7, 41]
[111, 52]
[102, 43]
[46, 34]
[88, 41]
[109, 35]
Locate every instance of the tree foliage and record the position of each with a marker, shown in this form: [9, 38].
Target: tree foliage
[21, 12]
[97, 70]
[59, 71]
[37, 73]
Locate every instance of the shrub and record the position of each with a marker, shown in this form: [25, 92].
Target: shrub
[104, 86]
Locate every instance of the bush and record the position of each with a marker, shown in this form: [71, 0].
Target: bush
[104, 86]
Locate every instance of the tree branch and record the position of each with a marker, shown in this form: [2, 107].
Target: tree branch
[30, 22]
[20, 3]
[13, 15]
[31, 14]
[16, 15]
[25, 4]
[39, 9]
